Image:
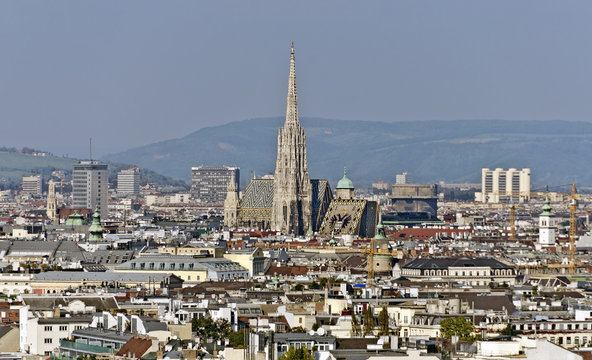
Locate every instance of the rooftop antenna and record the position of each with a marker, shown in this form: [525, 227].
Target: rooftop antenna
[90, 147]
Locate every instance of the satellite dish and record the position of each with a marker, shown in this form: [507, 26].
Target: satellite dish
[311, 333]
[321, 331]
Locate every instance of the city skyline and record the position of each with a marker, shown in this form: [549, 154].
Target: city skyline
[175, 69]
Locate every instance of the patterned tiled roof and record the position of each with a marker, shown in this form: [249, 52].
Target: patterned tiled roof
[258, 194]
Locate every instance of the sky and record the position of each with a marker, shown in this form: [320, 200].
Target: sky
[129, 73]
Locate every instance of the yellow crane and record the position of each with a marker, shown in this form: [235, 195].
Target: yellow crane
[572, 230]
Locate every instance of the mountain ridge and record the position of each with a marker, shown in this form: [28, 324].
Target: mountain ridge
[431, 150]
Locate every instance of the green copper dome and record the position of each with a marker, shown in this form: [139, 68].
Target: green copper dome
[547, 208]
[380, 235]
[96, 230]
[75, 219]
[345, 182]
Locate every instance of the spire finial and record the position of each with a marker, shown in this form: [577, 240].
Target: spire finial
[345, 171]
[292, 47]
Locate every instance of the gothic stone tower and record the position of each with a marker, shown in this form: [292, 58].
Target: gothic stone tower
[231, 204]
[292, 191]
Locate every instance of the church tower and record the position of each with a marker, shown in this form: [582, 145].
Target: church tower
[52, 203]
[231, 204]
[546, 225]
[292, 190]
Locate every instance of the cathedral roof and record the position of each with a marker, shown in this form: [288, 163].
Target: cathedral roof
[258, 194]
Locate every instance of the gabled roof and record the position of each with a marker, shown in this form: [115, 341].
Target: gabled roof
[136, 347]
[445, 263]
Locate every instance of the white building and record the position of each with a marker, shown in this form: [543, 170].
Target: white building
[547, 226]
[403, 179]
[128, 181]
[90, 186]
[32, 185]
[501, 185]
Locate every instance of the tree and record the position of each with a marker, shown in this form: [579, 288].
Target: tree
[298, 287]
[297, 354]
[315, 286]
[509, 330]
[459, 326]
[368, 322]
[236, 339]
[298, 329]
[383, 322]
[355, 326]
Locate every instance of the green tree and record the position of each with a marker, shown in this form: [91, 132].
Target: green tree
[297, 354]
[298, 329]
[236, 339]
[459, 326]
[509, 330]
[355, 325]
[383, 322]
[368, 322]
[222, 329]
[298, 287]
[315, 286]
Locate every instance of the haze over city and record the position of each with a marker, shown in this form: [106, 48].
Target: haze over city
[137, 72]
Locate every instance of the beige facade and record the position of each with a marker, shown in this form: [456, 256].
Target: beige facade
[501, 185]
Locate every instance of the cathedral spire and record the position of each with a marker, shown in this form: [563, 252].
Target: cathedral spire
[292, 100]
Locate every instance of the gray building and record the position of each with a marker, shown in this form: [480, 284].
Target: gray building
[90, 186]
[128, 181]
[32, 185]
[209, 183]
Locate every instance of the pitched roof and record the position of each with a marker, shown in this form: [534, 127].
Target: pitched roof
[444, 263]
[136, 347]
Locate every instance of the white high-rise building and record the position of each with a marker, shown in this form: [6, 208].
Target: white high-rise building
[90, 186]
[501, 185]
[128, 181]
[403, 179]
[32, 185]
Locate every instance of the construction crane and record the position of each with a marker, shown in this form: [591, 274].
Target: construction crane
[572, 230]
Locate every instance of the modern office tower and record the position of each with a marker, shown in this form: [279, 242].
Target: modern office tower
[403, 179]
[501, 185]
[128, 181]
[32, 185]
[90, 186]
[209, 184]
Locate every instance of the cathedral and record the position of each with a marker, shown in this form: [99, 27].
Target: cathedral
[291, 202]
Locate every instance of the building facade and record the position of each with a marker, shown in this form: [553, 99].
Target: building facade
[403, 179]
[32, 185]
[501, 185]
[90, 186]
[128, 181]
[209, 184]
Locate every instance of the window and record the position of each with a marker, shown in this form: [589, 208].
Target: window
[161, 266]
[63, 327]
[48, 340]
[48, 328]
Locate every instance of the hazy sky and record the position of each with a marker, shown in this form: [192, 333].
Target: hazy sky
[129, 73]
